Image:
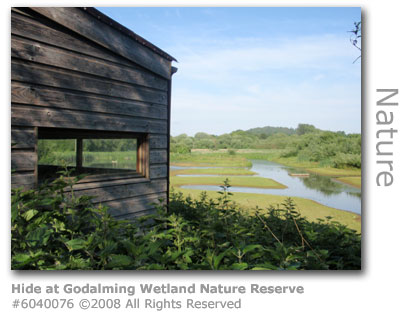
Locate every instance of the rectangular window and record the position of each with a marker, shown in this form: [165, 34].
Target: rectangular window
[93, 153]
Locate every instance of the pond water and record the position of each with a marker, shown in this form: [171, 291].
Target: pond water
[319, 188]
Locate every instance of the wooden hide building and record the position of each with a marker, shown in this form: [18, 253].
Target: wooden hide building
[79, 78]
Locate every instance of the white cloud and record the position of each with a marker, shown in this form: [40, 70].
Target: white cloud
[318, 53]
[243, 84]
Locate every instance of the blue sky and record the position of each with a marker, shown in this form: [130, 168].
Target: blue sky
[241, 68]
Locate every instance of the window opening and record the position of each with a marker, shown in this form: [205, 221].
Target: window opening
[90, 152]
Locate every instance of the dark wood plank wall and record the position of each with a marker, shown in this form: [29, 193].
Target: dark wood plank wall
[65, 75]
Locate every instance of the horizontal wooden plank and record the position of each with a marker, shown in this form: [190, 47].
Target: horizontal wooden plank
[112, 39]
[124, 191]
[48, 117]
[158, 171]
[60, 98]
[59, 133]
[158, 141]
[26, 180]
[109, 177]
[133, 205]
[19, 10]
[23, 160]
[56, 35]
[158, 156]
[50, 76]
[42, 53]
[85, 184]
[23, 138]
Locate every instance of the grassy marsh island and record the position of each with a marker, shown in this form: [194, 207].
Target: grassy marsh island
[214, 171]
[309, 209]
[234, 181]
[332, 159]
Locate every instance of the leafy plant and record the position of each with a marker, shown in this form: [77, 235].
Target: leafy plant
[52, 228]
[306, 143]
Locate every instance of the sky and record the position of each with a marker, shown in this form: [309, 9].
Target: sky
[241, 68]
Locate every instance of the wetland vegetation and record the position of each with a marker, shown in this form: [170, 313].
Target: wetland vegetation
[219, 229]
[50, 231]
[329, 161]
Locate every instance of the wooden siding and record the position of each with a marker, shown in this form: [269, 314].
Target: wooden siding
[59, 98]
[69, 70]
[26, 115]
[121, 190]
[158, 141]
[51, 33]
[23, 138]
[23, 179]
[102, 34]
[158, 171]
[42, 53]
[23, 157]
[24, 71]
[120, 207]
[158, 156]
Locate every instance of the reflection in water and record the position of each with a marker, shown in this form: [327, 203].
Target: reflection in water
[355, 194]
[322, 189]
[323, 184]
[326, 185]
[315, 187]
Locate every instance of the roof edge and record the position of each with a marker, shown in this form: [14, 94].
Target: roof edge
[116, 25]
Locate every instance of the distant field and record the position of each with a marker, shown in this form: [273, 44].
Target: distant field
[202, 151]
[209, 160]
[334, 172]
[215, 171]
[252, 182]
[353, 181]
[351, 176]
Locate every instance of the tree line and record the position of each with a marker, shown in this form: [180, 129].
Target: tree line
[306, 143]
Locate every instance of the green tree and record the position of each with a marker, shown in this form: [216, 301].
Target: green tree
[305, 128]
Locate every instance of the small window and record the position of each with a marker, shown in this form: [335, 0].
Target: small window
[96, 154]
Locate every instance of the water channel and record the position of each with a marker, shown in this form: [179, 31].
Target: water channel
[319, 188]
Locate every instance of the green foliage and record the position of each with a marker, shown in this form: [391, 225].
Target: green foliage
[210, 159]
[54, 229]
[231, 152]
[57, 152]
[306, 143]
[181, 144]
[305, 128]
[268, 131]
[96, 152]
[331, 149]
[51, 228]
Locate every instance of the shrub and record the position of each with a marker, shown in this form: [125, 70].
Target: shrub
[54, 229]
[51, 228]
[231, 152]
[343, 160]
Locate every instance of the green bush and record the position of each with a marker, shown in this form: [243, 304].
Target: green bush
[54, 229]
[231, 152]
[180, 148]
[308, 145]
[343, 160]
